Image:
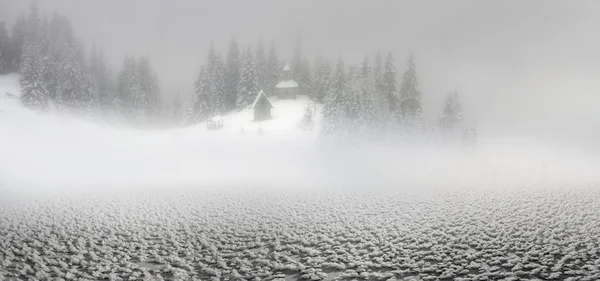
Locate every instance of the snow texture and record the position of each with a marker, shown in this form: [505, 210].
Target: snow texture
[512, 234]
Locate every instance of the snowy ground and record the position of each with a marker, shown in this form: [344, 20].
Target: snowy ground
[548, 234]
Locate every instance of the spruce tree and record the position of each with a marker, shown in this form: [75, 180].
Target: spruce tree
[218, 96]
[262, 68]
[334, 115]
[411, 107]
[452, 115]
[273, 69]
[248, 87]
[17, 43]
[232, 75]
[149, 87]
[203, 89]
[33, 91]
[301, 68]
[73, 87]
[101, 78]
[389, 88]
[378, 67]
[307, 121]
[131, 94]
[321, 81]
[4, 50]
[365, 68]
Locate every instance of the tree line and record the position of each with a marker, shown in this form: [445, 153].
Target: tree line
[57, 74]
[366, 99]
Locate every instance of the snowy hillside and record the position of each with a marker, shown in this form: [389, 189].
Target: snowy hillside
[286, 114]
[50, 152]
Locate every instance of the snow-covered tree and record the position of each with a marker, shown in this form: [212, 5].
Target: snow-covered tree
[101, 79]
[130, 92]
[17, 43]
[378, 66]
[232, 75]
[334, 115]
[203, 89]
[273, 68]
[321, 81]
[209, 88]
[75, 89]
[33, 91]
[410, 96]
[307, 121]
[365, 68]
[389, 87]
[452, 116]
[4, 50]
[262, 68]
[149, 87]
[248, 87]
[301, 68]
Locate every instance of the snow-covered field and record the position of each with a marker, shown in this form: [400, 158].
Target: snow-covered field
[546, 234]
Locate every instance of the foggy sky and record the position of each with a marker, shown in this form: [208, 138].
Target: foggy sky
[523, 68]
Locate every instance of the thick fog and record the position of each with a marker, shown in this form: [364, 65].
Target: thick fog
[525, 69]
[527, 72]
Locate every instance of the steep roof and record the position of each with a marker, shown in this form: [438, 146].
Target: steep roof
[287, 84]
[261, 93]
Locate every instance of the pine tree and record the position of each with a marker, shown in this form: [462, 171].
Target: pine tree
[248, 87]
[262, 68]
[452, 116]
[17, 43]
[411, 106]
[378, 67]
[101, 79]
[307, 121]
[33, 91]
[4, 50]
[149, 87]
[334, 116]
[321, 82]
[203, 89]
[273, 68]
[219, 96]
[74, 89]
[301, 68]
[232, 75]
[389, 87]
[131, 95]
[365, 68]
[209, 88]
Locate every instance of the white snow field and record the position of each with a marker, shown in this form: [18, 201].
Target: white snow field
[545, 234]
[90, 201]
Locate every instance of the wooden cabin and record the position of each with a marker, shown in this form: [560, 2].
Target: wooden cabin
[286, 88]
[262, 107]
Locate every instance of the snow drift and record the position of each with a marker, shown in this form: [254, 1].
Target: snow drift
[53, 152]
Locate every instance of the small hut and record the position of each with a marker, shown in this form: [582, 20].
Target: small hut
[287, 88]
[262, 107]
